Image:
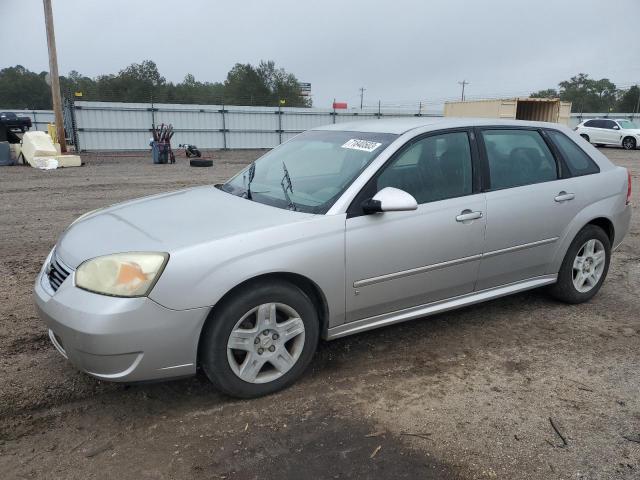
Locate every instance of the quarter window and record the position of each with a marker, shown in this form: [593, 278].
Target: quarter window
[518, 157]
[431, 169]
[578, 162]
[590, 123]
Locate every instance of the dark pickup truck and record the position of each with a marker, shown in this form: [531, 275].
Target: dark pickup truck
[12, 122]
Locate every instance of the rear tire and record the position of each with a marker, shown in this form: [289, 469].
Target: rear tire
[585, 136]
[629, 143]
[584, 267]
[290, 321]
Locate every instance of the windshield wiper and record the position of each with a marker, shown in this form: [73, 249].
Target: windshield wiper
[287, 185]
[252, 173]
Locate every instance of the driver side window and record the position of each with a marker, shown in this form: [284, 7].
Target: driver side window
[433, 168]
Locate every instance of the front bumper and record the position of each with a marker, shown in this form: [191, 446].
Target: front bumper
[119, 339]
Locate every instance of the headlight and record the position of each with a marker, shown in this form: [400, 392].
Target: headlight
[122, 274]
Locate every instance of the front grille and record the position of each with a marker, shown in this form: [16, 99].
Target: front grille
[57, 273]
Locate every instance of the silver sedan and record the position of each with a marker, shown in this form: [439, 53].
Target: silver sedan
[342, 229]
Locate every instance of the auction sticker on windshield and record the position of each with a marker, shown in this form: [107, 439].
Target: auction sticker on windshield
[364, 145]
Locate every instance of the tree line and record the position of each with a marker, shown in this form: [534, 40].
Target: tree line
[246, 84]
[591, 95]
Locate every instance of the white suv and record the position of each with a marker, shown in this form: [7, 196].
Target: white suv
[607, 131]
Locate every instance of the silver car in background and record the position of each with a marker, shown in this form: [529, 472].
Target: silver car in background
[342, 229]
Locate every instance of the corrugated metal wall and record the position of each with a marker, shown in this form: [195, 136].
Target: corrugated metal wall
[576, 118]
[126, 126]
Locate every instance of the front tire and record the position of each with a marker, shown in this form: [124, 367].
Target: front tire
[629, 143]
[584, 267]
[259, 340]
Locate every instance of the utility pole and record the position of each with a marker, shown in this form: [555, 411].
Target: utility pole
[53, 74]
[362, 89]
[637, 110]
[463, 83]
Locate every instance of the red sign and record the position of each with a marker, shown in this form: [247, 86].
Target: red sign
[337, 105]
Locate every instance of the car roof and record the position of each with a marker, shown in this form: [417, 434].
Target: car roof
[403, 125]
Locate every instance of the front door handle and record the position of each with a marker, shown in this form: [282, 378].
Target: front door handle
[467, 215]
[564, 196]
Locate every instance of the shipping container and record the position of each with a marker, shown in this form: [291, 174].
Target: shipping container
[535, 109]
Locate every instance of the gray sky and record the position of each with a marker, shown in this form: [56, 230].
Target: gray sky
[401, 51]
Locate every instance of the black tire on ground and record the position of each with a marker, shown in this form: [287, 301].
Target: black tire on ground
[222, 320]
[629, 143]
[563, 289]
[600, 145]
[201, 163]
[585, 136]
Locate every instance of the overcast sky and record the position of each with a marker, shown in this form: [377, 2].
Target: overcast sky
[401, 51]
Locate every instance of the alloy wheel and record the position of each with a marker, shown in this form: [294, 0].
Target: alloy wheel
[628, 143]
[266, 343]
[588, 265]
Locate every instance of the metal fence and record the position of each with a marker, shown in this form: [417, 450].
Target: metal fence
[127, 126]
[577, 118]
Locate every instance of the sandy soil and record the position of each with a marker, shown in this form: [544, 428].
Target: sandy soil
[466, 394]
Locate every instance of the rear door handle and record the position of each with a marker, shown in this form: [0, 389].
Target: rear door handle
[467, 215]
[564, 196]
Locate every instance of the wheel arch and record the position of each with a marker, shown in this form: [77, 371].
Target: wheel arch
[308, 286]
[602, 221]
[631, 137]
[605, 224]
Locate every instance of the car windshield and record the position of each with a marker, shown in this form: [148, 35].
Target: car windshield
[626, 124]
[309, 172]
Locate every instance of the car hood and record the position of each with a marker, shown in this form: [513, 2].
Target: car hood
[167, 222]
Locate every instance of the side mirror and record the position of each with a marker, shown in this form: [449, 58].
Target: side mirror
[390, 199]
[616, 127]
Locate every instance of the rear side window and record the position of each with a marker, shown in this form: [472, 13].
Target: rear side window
[518, 157]
[590, 123]
[578, 162]
[598, 123]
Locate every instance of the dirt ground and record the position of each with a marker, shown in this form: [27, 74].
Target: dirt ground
[465, 394]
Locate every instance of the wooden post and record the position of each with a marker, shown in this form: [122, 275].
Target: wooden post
[53, 74]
